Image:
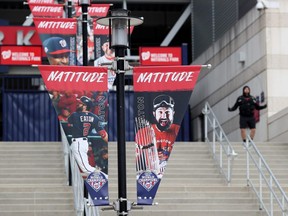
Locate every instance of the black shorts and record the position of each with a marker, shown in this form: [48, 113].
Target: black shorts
[247, 122]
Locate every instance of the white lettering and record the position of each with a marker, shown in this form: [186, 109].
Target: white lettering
[47, 9]
[68, 76]
[185, 76]
[56, 25]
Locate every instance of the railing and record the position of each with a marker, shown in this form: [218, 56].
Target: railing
[264, 179]
[75, 178]
[221, 148]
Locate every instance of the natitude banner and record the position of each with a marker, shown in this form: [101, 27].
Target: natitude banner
[41, 2]
[94, 10]
[46, 10]
[58, 36]
[160, 100]
[79, 95]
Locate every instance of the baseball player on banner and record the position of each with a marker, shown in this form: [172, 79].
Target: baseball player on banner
[82, 122]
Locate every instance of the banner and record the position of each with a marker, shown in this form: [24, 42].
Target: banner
[94, 10]
[80, 98]
[58, 38]
[161, 96]
[20, 55]
[154, 56]
[19, 35]
[40, 2]
[46, 10]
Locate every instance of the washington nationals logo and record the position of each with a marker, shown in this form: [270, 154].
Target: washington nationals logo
[96, 181]
[148, 180]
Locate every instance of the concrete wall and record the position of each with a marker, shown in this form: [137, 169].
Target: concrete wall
[278, 127]
[251, 53]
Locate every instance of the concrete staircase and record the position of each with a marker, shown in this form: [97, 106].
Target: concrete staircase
[33, 180]
[191, 185]
[275, 154]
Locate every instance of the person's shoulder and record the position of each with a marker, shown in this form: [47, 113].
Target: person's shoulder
[240, 97]
[175, 127]
[98, 61]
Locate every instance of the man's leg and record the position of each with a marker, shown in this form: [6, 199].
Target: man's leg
[243, 134]
[252, 133]
[243, 125]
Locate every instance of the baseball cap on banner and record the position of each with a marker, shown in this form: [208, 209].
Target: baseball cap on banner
[55, 46]
[163, 101]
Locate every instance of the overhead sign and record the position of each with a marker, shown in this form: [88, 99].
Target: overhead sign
[19, 35]
[156, 56]
[20, 55]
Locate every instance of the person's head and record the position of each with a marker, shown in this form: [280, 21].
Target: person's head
[104, 154]
[84, 104]
[107, 51]
[246, 90]
[163, 111]
[57, 51]
[65, 112]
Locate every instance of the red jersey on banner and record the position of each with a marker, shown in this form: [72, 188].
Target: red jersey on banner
[79, 95]
[160, 101]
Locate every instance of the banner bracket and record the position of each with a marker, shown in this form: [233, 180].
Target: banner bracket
[127, 67]
[209, 66]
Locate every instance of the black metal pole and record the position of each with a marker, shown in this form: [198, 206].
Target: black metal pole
[84, 8]
[69, 15]
[121, 145]
[85, 33]
[69, 9]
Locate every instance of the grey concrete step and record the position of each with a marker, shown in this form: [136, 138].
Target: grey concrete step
[206, 212]
[34, 183]
[191, 184]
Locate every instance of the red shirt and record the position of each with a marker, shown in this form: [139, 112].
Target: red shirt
[165, 140]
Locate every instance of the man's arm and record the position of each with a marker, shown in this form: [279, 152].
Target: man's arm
[235, 105]
[258, 107]
[103, 135]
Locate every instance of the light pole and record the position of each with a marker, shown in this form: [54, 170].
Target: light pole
[84, 6]
[119, 23]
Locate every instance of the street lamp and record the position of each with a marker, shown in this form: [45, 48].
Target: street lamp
[119, 23]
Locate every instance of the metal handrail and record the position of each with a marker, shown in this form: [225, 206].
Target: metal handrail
[77, 181]
[275, 190]
[214, 129]
[80, 201]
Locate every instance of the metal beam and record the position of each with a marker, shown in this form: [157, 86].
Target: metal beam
[177, 26]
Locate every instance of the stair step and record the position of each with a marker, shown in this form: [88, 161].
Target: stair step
[192, 183]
